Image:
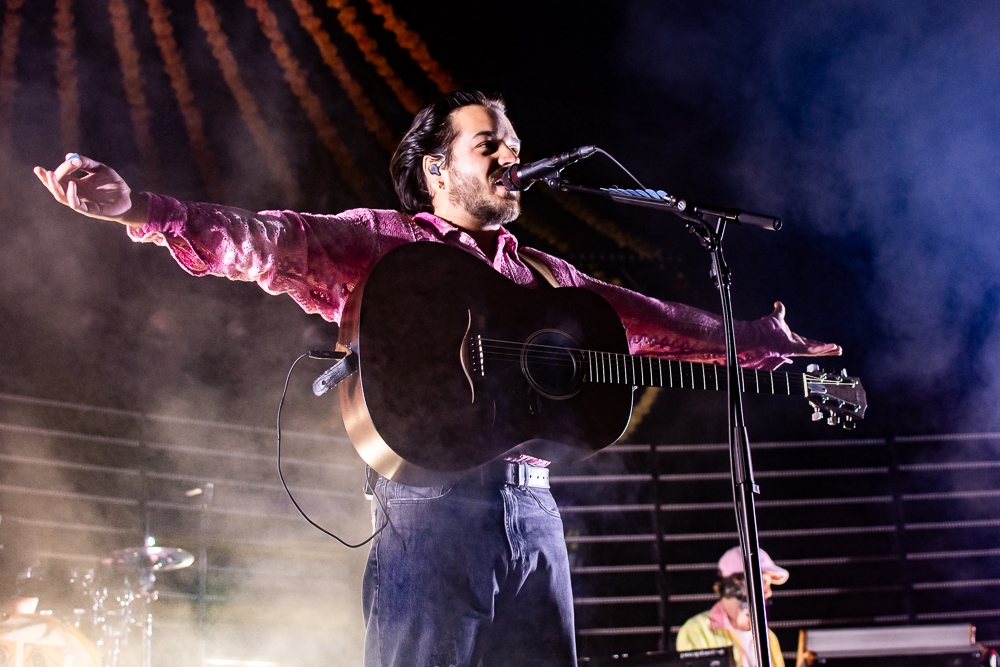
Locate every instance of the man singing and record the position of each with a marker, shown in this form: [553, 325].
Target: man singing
[472, 573]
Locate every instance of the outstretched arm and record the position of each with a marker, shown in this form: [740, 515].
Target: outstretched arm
[678, 331]
[315, 259]
[95, 190]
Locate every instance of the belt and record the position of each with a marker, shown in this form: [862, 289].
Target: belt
[496, 473]
[508, 473]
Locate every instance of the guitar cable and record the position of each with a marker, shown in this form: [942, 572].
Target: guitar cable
[281, 476]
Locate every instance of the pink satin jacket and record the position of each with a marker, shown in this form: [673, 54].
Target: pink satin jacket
[319, 259]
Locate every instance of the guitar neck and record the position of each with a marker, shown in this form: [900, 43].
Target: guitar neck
[637, 371]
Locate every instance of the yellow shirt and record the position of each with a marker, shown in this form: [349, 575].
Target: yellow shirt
[700, 632]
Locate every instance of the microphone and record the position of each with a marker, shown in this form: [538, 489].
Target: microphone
[519, 176]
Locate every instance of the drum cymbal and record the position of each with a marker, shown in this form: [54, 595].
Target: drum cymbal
[160, 559]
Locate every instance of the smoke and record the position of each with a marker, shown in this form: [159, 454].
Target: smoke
[92, 318]
[872, 124]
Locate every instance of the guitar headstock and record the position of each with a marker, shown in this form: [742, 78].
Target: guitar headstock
[838, 398]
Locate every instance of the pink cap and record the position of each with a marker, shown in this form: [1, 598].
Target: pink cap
[732, 563]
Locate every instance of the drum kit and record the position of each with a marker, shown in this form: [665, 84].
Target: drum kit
[93, 617]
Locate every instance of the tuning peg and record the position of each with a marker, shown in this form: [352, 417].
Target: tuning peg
[812, 368]
[849, 424]
[833, 419]
[817, 415]
[843, 372]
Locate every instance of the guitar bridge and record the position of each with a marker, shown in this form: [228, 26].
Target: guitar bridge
[477, 360]
[471, 357]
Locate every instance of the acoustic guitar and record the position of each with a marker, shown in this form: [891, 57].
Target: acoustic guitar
[457, 366]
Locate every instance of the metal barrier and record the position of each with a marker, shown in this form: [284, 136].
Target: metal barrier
[874, 531]
[906, 532]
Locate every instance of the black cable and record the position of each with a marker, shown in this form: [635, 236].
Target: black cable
[281, 476]
[621, 166]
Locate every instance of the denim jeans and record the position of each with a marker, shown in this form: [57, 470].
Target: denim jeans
[467, 575]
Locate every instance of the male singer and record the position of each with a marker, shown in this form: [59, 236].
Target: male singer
[470, 573]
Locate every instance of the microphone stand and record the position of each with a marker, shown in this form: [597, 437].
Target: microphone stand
[709, 224]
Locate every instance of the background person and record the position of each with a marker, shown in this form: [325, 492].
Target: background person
[727, 623]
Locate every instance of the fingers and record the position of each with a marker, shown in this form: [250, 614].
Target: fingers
[59, 182]
[48, 180]
[808, 347]
[86, 164]
[817, 349]
[69, 166]
[779, 310]
[804, 347]
[73, 198]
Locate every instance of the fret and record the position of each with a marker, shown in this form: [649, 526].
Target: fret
[788, 382]
[633, 370]
[691, 364]
[772, 383]
[642, 374]
[659, 362]
[704, 382]
[670, 370]
[618, 373]
[680, 372]
[756, 379]
[715, 369]
[805, 386]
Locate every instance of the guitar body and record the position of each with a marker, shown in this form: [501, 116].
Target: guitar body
[444, 384]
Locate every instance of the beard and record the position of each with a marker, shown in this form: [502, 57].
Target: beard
[482, 201]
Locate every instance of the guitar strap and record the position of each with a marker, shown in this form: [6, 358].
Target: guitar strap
[540, 269]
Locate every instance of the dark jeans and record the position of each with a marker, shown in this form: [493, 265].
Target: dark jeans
[468, 575]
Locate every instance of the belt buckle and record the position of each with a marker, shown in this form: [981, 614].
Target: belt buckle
[519, 475]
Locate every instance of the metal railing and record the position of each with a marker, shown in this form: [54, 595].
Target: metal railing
[873, 530]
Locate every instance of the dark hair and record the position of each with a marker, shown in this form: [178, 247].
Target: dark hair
[431, 133]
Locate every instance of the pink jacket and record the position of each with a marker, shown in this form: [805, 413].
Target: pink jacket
[319, 259]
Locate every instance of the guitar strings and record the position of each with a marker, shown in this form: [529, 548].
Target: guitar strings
[555, 355]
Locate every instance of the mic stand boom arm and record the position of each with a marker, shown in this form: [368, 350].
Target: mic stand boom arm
[709, 224]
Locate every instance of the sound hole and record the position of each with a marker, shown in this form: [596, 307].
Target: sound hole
[548, 362]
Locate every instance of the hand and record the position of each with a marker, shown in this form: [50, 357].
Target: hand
[803, 347]
[99, 193]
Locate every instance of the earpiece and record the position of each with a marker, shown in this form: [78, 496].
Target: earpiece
[434, 169]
